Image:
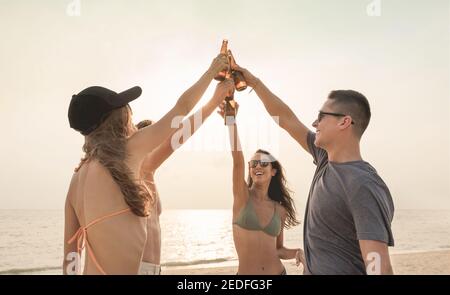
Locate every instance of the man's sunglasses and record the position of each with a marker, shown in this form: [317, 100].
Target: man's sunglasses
[323, 114]
[254, 163]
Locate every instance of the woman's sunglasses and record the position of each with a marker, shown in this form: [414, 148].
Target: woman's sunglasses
[254, 163]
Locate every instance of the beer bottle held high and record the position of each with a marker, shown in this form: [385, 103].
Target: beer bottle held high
[230, 103]
[223, 50]
[238, 77]
[230, 110]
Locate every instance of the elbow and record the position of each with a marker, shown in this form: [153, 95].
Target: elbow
[282, 255]
[279, 254]
[278, 109]
[285, 120]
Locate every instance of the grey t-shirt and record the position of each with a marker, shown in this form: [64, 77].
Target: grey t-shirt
[347, 202]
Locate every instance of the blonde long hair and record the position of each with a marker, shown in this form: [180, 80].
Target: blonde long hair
[107, 144]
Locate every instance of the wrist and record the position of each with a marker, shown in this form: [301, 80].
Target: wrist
[211, 73]
[216, 100]
[255, 83]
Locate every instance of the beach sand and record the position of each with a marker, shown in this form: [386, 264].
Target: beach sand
[425, 263]
[417, 263]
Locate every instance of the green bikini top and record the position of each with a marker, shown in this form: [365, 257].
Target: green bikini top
[248, 220]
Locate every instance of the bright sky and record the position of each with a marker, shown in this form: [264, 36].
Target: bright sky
[301, 49]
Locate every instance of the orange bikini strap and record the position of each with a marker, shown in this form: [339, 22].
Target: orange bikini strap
[82, 242]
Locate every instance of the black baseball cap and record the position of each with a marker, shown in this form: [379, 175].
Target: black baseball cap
[89, 108]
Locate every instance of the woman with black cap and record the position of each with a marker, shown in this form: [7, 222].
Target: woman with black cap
[108, 204]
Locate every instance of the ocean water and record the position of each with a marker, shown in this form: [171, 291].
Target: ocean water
[31, 241]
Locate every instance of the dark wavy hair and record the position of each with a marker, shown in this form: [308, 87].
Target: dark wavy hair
[278, 190]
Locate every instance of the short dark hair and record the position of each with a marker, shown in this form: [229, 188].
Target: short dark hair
[354, 104]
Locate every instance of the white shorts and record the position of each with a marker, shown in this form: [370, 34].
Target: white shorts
[147, 268]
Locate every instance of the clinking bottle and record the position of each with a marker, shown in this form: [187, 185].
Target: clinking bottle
[230, 103]
[238, 77]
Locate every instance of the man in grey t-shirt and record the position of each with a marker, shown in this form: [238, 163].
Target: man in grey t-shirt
[347, 226]
[348, 202]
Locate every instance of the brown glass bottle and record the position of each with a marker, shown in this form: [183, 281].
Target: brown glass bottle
[223, 50]
[238, 77]
[230, 103]
[230, 110]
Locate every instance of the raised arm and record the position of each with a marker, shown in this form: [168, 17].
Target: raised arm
[278, 109]
[188, 127]
[240, 188]
[146, 140]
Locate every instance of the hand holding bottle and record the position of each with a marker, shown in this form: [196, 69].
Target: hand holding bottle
[238, 77]
[222, 74]
[224, 89]
[220, 63]
[251, 80]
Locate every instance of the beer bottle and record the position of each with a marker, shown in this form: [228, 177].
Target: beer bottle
[223, 50]
[238, 77]
[230, 103]
[230, 110]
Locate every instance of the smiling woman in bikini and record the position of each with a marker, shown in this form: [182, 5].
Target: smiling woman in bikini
[108, 203]
[262, 208]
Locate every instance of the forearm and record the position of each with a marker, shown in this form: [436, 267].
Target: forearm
[386, 266]
[191, 96]
[235, 144]
[376, 257]
[286, 253]
[273, 104]
[196, 120]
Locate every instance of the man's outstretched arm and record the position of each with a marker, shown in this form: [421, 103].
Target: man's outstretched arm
[278, 109]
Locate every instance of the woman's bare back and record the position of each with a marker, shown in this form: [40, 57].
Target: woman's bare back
[117, 242]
